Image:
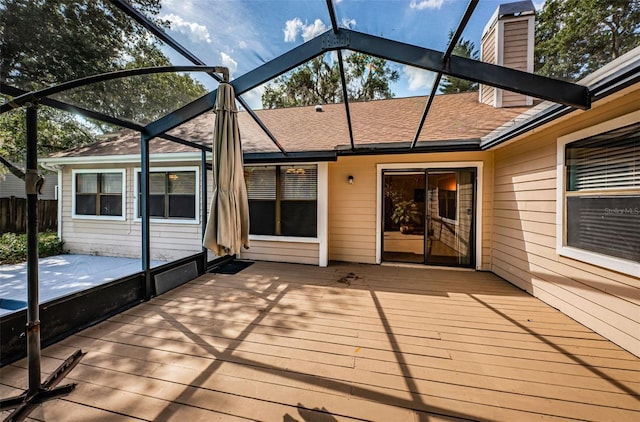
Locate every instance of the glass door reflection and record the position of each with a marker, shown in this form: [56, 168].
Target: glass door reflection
[450, 217]
[404, 216]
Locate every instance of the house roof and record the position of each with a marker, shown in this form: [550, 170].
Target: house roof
[453, 117]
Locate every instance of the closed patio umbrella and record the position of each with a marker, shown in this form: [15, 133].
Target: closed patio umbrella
[228, 225]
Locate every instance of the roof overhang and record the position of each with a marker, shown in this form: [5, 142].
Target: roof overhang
[610, 79]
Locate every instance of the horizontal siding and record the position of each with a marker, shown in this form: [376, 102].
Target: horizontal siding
[515, 55]
[352, 208]
[488, 55]
[513, 99]
[123, 238]
[524, 239]
[293, 252]
[515, 45]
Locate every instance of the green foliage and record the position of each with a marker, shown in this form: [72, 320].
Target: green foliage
[451, 84]
[577, 37]
[52, 41]
[45, 43]
[405, 212]
[13, 247]
[318, 82]
[57, 131]
[315, 82]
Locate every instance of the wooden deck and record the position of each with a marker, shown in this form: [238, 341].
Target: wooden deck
[280, 342]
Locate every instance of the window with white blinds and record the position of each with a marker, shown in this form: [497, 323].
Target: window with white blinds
[603, 162]
[283, 199]
[261, 182]
[299, 182]
[602, 193]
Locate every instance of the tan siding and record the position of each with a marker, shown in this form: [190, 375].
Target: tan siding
[489, 56]
[123, 238]
[352, 208]
[294, 252]
[524, 239]
[515, 45]
[515, 55]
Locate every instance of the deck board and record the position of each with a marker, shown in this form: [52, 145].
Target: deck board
[285, 342]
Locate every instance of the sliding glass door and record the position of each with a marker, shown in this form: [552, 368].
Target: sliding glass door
[404, 216]
[428, 216]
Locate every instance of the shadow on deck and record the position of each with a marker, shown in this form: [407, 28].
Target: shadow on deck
[284, 342]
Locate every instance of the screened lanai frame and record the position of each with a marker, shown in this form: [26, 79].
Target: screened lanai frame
[568, 96]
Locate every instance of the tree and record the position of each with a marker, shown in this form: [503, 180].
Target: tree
[577, 37]
[318, 82]
[315, 82]
[57, 130]
[47, 42]
[451, 84]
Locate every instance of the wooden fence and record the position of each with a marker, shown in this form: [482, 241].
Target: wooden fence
[13, 215]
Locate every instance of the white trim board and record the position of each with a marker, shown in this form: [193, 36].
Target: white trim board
[195, 220]
[613, 263]
[123, 217]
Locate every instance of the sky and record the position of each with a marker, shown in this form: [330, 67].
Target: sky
[243, 35]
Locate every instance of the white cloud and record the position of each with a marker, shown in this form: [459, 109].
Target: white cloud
[348, 23]
[227, 61]
[194, 31]
[313, 30]
[295, 27]
[291, 29]
[418, 78]
[242, 44]
[254, 97]
[426, 4]
[538, 4]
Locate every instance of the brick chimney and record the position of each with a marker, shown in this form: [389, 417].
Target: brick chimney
[507, 40]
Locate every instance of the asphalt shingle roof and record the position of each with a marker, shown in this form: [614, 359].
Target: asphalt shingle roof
[452, 117]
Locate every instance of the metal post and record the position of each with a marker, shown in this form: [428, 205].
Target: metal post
[33, 307]
[37, 392]
[144, 208]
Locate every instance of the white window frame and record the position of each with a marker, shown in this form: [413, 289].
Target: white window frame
[322, 212]
[610, 262]
[122, 217]
[478, 165]
[136, 189]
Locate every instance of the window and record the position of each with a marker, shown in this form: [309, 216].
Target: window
[447, 202]
[283, 200]
[602, 194]
[98, 193]
[447, 195]
[172, 194]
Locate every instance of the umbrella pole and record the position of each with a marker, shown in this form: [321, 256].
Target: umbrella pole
[37, 392]
[203, 206]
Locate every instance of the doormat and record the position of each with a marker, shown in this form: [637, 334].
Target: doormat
[232, 267]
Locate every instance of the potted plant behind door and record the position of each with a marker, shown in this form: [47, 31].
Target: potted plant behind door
[405, 213]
